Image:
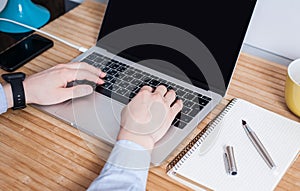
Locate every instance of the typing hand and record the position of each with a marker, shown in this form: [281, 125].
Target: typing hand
[50, 86]
[147, 118]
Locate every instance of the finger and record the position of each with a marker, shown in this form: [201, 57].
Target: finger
[74, 74]
[162, 90]
[170, 97]
[146, 88]
[85, 66]
[176, 108]
[76, 91]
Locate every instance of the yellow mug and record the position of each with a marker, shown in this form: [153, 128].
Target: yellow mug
[292, 87]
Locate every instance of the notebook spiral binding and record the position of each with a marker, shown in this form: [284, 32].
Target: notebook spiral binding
[199, 138]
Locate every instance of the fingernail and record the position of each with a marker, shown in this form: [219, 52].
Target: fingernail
[102, 74]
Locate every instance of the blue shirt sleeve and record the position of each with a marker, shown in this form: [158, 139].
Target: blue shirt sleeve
[126, 168]
[3, 102]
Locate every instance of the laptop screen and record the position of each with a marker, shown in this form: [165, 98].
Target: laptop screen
[219, 26]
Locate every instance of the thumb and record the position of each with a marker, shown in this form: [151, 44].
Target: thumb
[79, 91]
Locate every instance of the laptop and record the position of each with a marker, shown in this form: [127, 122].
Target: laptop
[191, 47]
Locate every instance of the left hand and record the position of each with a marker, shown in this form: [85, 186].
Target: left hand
[49, 86]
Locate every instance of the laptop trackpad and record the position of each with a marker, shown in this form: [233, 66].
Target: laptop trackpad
[95, 115]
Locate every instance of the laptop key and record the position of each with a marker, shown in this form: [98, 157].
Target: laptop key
[185, 110]
[127, 94]
[197, 107]
[106, 84]
[180, 124]
[131, 87]
[138, 71]
[132, 94]
[174, 121]
[106, 63]
[179, 87]
[188, 103]
[113, 80]
[196, 99]
[122, 91]
[189, 96]
[118, 81]
[136, 82]
[185, 118]
[137, 75]
[203, 101]
[115, 88]
[112, 95]
[178, 116]
[88, 61]
[124, 84]
[109, 77]
[112, 72]
[180, 93]
[206, 98]
[194, 112]
[172, 84]
[120, 75]
[91, 56]
[187, 90]
[98, 59]
[121, 69]
[129, 72]
[145, 77]
[114, 66]
[104, 90]
[147, 80]
[154, 83]
[162, 81]
[106, 69]
[127, 78]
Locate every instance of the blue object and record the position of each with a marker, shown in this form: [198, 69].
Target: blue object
[23, 11]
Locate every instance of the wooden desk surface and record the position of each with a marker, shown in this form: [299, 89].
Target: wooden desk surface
[38, 152]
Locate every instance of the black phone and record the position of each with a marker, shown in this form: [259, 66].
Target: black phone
[23, 51]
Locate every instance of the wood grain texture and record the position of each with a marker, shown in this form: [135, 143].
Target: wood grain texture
[39, 152]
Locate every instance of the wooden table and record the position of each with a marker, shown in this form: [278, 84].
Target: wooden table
[39, 152]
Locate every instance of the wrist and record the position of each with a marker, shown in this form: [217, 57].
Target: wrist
[145, 141]
[8, 95]
[27, 92]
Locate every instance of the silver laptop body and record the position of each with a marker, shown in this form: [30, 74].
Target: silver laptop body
[99, 115]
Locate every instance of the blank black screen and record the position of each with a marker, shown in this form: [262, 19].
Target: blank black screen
[219, 25]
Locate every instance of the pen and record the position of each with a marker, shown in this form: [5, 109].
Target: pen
[229, 154]
[258, 145]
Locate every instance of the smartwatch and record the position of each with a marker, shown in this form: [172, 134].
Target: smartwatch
[16, 82]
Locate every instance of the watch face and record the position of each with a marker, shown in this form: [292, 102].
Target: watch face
[17, 75]
[16, 82]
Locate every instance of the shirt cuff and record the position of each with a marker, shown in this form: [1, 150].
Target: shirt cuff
[129, 155]
[3, 102]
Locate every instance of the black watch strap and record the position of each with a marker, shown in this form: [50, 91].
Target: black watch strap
[16, 82]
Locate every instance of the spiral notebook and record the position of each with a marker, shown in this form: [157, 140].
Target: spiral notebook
[201, 163]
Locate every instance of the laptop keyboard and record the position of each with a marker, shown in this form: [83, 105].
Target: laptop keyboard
[123, 82]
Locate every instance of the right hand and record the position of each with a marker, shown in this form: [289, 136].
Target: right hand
[147, 118]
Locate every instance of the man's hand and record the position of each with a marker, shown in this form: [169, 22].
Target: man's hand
[147, 118]
[50, 86]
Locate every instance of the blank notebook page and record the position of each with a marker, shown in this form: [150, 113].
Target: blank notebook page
[279, 135]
